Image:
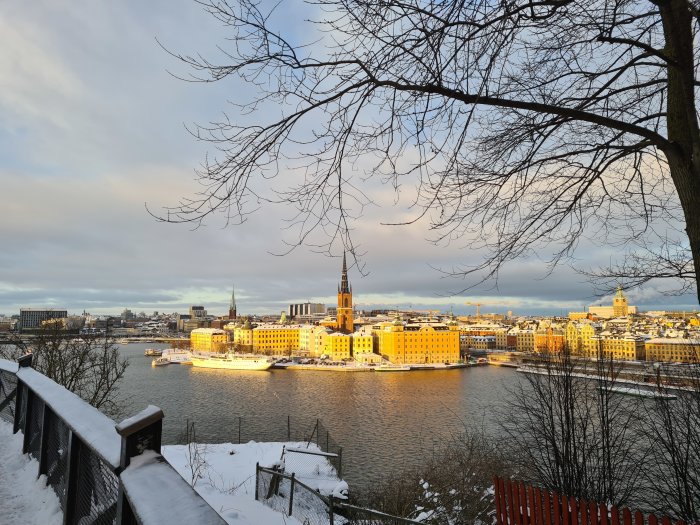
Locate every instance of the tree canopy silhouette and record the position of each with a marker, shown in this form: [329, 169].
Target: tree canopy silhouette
[516, 124]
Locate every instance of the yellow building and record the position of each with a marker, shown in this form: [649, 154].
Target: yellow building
[311, 340]
[272, 339]
[579, 337]
[243, 337]
[673, 350]
[525, 341]
[620, 307]
[208, 340]
[362, 343]
[620, 348]
[337, 346]
[549, 341]
[418, 343]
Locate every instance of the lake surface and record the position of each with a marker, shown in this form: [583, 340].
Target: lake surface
[383, 421]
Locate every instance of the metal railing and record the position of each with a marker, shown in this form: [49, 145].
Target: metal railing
[85, 456]
[286, 493]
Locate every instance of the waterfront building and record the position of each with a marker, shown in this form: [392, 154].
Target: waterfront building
[275, 339]
[627, 347]
[677, 350]
[243, 336]
[418, 343]
[311, 340]
[549, 340]
[208, 339]
[30, 318]
[344, 314]
[579, 337]
[505, 339]
[362, 343]
[336, 346]
[525, 340]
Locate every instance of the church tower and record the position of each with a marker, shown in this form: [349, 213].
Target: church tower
[344, 315]
[232, 304]
[620, 308]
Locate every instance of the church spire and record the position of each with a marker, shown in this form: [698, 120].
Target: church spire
[232, 304]
[344, 286]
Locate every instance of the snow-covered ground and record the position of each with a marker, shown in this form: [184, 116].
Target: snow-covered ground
[226, 477]
[24, 499]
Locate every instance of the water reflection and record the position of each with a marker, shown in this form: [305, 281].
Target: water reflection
[384, 421]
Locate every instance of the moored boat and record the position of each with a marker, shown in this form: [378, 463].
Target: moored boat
[160, 361]
[232, 361]
[392, 368]
[177, 356]
[153, 352]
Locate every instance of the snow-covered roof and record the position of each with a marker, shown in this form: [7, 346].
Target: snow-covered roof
[94, 428]
[674, 341]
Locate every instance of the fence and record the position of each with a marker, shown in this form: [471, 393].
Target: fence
[291, 430]
[286, 493]
[85, 456]
[520, 504]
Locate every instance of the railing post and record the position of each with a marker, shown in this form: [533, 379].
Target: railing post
[23, 362]
[27, 419]
[291, 495]
[340, 462]
[257, 477]
[330, 509]
[71, 479]
[139, 433]
[44, 443]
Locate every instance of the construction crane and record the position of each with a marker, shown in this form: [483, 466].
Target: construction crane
[479, 305]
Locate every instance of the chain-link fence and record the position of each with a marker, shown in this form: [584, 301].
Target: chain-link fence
[97, 489]
[8, 384]
[288, 494]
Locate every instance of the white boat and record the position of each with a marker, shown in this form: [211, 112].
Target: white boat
[152, 352]
[392, 368]
[177, 356]
[160, 361]
[233, 361]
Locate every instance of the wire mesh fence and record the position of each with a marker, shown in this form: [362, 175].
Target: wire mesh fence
[36, 414]
[285, 493]
[8, 384]
[56, 458]
[97, 489]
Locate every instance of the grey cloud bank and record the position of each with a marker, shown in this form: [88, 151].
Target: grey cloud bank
[91, 130]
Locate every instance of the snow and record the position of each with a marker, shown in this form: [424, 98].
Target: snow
[25, 499]
[227, 482]
[91, 425]
[158, 495]
[8, 366]
[151, 412]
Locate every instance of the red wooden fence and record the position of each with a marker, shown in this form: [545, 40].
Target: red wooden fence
[518, 504]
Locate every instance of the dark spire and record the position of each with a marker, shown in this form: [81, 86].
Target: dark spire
[232, 305]
[344, 286]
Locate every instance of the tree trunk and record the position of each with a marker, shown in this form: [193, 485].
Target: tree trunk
[681, 120]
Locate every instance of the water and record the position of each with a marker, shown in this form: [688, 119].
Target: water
[383, 421]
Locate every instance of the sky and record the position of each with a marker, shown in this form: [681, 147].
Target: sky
[93, 131]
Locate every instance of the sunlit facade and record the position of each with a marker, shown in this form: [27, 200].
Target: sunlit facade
[208, 340]
[418, 343]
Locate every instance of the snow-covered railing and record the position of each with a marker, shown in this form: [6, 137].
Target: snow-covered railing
[286, 493]
[86, 457]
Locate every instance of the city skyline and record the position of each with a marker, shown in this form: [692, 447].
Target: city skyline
[93, 131]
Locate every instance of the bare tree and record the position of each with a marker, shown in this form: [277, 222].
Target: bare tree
[88, 365]
[571, 432]
[673, 432]
[511, 125]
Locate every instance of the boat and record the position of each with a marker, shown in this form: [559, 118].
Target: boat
[392, 368]
[160, 361]
[177, 356]
[153, 352]
[233, 361]
[123, 341]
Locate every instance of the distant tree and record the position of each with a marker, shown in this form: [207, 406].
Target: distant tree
[673, 433]
[570, 432]
[88, 365]
[512, 125]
